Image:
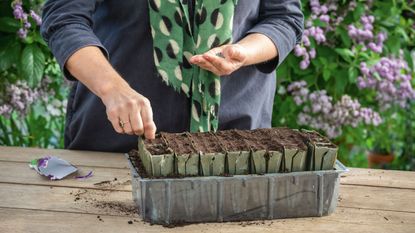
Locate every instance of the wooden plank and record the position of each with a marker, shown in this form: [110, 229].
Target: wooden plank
[382, 178]
[343, 220]
[86, 158]
[20, 173]
[377, 198]
[67, 199]
[94, 201]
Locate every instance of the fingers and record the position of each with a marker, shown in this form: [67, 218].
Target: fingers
[204, 64]
[136, 121]
[125, 124]
[142, 119]
[135, 116]
[148, 123]
[221, 64]
[232, 59]
[115, 121]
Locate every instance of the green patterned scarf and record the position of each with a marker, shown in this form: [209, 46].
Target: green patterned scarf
[176, 40]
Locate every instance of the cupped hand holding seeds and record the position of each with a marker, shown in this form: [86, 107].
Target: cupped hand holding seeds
[222, 60]
[255, 48]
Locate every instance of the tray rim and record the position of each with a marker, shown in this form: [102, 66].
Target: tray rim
[339, 168]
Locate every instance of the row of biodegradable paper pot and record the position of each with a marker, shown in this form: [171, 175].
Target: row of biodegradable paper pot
[319, 155]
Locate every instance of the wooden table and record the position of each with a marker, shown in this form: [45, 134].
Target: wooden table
[370, 200]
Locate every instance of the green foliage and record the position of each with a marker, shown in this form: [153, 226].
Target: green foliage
[32, 91]
[336, 69]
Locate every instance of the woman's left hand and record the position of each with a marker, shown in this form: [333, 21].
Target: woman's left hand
[222, 60]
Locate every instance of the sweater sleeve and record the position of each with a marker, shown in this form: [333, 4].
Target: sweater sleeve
[283, 22]
[67, 27]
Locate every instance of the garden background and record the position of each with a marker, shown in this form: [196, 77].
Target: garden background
[351, 79]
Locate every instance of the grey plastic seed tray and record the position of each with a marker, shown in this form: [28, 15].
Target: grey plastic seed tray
[238, 198]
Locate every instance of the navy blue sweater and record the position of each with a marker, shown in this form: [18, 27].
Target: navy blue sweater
[121, 29]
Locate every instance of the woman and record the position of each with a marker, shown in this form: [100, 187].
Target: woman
[177, 65]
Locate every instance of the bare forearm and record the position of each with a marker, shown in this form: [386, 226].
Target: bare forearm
[259, 48]
[128, 111]
[91, 68]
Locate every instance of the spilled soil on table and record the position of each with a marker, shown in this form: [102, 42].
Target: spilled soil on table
[101, 200]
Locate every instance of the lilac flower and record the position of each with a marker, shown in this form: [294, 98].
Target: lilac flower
[5, 110]
[22, 33]
[390, 78]
[364, 35]
[319, 111]
[324, 18]
[18, 12]
[27, 25]
[19, 97]
[326, 13]
[36, 17]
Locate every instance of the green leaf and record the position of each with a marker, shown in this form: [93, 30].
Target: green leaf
[33, 64]
[409, 59]
[394, 44]
[8, 24]
[326, 74]
[344, 36]
[341, 82]
[39, 39]
[346, 54]
[358, 11]
[9, 54]
[353, 75]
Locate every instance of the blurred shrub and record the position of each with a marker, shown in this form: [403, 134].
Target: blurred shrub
[32, 91]
[352, 77]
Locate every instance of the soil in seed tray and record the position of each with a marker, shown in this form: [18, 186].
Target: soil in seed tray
[289, 138]
[206, 143]
[157, 146]
[180, 143]
[231, 140]
[265, 138]
[317, 138]
[137, 164]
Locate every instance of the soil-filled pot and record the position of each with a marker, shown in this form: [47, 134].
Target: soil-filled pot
[379, 160]
[157, 159]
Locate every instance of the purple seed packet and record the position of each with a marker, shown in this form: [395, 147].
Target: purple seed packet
[55, 168]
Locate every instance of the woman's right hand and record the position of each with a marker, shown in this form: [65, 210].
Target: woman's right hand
[128, 111]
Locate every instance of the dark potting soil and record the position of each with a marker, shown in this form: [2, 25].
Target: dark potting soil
[232, 140]
[157, 146]
[206, 143]
[180, 143]
[316, 138]
[265, 138]
[290, 139]
[274, 139]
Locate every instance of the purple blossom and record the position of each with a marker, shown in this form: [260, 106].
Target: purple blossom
[326, 13]
[19, 97]
[36, 17]
[22, 33]
[390, 78]
[319, 111]
[27, 25]
[364, 36]
[18, 12]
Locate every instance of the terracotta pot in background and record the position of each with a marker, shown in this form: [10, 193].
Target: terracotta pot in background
[377, 160]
